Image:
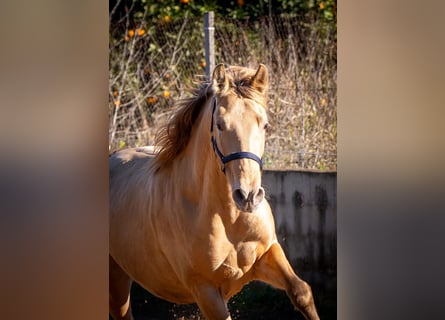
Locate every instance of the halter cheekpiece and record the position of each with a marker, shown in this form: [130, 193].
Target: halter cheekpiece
[232, 156]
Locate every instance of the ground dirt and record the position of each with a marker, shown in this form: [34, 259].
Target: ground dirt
[256, 301]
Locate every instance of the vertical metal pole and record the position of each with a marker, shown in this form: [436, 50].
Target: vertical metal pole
[209, 42]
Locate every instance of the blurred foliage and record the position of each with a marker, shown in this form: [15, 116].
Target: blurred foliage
[166, 10]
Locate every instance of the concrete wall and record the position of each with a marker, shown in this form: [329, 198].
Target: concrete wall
[304, 204]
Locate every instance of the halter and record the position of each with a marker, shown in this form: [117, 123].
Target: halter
[232, 156]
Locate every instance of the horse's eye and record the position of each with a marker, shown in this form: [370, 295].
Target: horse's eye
[266, 126]
[219, 126]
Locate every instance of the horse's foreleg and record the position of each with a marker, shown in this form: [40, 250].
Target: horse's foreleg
[119, 294]
[274, 268]
[210, 302]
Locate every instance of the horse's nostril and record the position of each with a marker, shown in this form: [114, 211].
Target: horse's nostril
[248, 201]
[240, 196]
[259, 196]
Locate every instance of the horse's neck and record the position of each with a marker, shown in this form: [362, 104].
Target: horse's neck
[200, 167]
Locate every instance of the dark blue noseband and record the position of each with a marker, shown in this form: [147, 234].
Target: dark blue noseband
[232, 156]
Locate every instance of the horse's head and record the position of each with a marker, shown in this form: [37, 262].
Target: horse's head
[238, 130]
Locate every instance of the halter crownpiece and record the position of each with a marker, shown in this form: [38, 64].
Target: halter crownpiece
[232, 156]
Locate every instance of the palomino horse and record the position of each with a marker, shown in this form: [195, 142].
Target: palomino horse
[190, 223]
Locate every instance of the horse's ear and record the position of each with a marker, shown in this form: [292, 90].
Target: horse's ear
[261, 79]
[220, 80]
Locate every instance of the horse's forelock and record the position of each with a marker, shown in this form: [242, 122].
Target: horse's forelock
[240, 80]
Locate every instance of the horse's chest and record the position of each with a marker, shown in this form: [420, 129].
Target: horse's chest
[234, 249]
[238, 261]
[246, 255]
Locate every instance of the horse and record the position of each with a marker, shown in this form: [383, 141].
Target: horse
[189, 220]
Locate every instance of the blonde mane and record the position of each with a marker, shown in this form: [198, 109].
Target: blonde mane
[173, 137]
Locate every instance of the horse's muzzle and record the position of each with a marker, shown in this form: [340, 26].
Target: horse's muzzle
[248, 201]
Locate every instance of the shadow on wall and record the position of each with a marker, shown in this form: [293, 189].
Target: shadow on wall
[304, 205]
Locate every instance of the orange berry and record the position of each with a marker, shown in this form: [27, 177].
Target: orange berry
[140, 32]
[166, 94]
[203, 63]
[127, 39]
[167, 19]
[321, 5]
[152, 99]
[115, 94]
[131, 33]
[184, 1]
